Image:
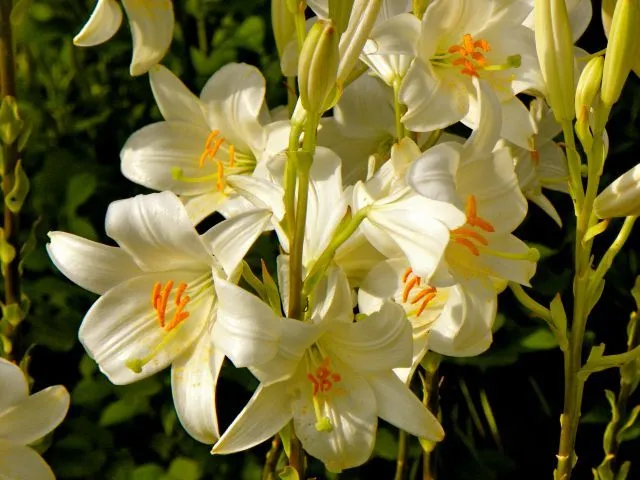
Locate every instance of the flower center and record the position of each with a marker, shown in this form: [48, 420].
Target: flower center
[468, 235]
[160, 300]
[227, 160]
[422, 294]
[469, 57]
[323, 380]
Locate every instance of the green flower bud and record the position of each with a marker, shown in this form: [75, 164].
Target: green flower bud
[283, 24]
[622, 51]
[588, 87]
[318, 65]
[339, 12]
[554, 44]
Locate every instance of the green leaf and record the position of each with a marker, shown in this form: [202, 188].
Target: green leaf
[183, 468]
[10, 122]
[288, 473]
[250, 34]
[79, 190]
[19, 12]
[386, 445]
[122, 410]
[91, 391]
[540, 339]
[16, 197]
[148, 471]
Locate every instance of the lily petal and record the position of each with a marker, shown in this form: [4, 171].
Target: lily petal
[102, 25]
[234, 96]
[122, 328]
[174, 99]
[400, 407]
[14, 385]
[246, 330]
[433, 174]
[194, 376]
[231, 239]
[91, 265]
[266, 413]
[35, 416]
[156, 231]
[152, 31]
[20, 462]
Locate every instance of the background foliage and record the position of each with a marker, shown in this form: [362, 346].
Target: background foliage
[500, 410]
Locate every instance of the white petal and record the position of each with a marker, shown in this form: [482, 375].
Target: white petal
[517, 126]
[553, 171]
[246, 329]
[194, 376]
[234, 96]
[519, 271]
[150, 156]
[485, 118]
[259, 192]
[266, 414]
[174, 99]
[122, 326]
[18, 462]
[201, 206]
[494, 184]
[382, 341]
[400, 407]
[464, 327]
[433, 175]
[334, 302]
[156, 231]
[35, 416]
[580, 14]
[352, 413]
[545, 204]
[93, 266]
[151, 25]
[102, 25]
[436, 98]
[14, 385]
[230, 240]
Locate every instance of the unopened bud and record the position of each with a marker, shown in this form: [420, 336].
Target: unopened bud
[340, 12]
[318, 65]
[295, 6]
[554, 44]
[363, 17]
[622, 197]
[622, 50]
[419, 7]
[588, 87]
[283, 24]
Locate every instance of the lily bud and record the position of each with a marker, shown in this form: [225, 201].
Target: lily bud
[339, 12]
[294, 6]
[318, 66]
[283, 24]
[588, 87]
[363, 18]
[554, 44]
[622, 51]
[608, 7]
[622, 197]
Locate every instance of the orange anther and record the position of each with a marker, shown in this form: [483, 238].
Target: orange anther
[471, 208]
[407, 272]
[482, 45]
[160, 299]
[467, 43]
[467, 243]
[535, 157]
[481, 224]
[212, 136]
[324, 378]
[425, 303]
[408, 287]
[220, 180]
[424, 293]
[469, 58]
[232, 155]
[467, 232]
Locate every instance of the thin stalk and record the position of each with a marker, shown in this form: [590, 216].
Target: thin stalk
[268, 472]
[402, 455]
[399, 109]
[573, 160]
[616, 246]
[11, 220]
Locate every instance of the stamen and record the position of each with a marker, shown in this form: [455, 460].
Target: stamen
[424, 293]
[232, 155]
[408, 287]
[425, 303]
[467, 243]
[407, 272]
[467, 232]
[220, 182]
[322, 381]
[469, 58]
[160, 299]
[481, 224]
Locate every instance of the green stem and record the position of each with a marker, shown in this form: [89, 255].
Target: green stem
[530, 304]
[402, 455]
[10, 158]
[573, 160]
[271, 460]
[292, 96]
[616, 246]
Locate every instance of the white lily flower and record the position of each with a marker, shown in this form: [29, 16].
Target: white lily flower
[484, 180]
[461, 40]
[454, 321]
[389, 8]
[158, 303]
[25, 419]
[202, 141]
[332, 376]
[151, 22]
[543, 164]
[622, 197]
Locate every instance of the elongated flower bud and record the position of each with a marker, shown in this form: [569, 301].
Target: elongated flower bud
[363, 18]
[318, 66]
[622, 51]
[554, 44]
[622, 197]
[340, 12]
[588, 87]
[283, 24]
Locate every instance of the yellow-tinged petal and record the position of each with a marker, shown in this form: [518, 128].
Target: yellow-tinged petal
[101, 26]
